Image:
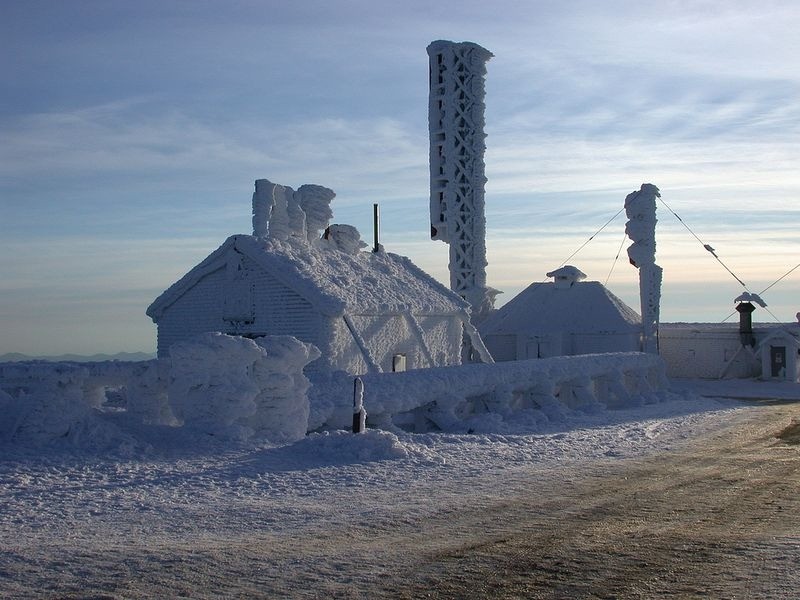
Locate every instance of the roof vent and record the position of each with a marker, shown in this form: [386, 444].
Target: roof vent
[566, 276]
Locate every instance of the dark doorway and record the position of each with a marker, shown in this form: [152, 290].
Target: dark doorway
[777, 358]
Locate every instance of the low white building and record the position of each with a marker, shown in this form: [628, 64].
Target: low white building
[566, 317]
[716, 351]
[365, 311]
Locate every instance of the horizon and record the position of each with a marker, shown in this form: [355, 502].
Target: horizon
[133, 135]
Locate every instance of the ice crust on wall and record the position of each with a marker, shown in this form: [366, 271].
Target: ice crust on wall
[216, 385]
[509, 396]
[51, 405]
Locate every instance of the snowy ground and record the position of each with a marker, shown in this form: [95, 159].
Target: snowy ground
[194, 524]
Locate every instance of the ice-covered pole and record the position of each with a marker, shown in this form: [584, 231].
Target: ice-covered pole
[359, 414]
[640, 208]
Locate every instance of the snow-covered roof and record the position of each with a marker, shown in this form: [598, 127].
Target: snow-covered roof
[333, 281]
[585, 307]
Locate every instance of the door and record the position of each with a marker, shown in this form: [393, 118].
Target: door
[777, 358]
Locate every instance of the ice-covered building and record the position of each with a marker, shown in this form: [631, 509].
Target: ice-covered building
[365, 311]
[568, 316]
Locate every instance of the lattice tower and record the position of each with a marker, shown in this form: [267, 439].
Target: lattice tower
[457, 144]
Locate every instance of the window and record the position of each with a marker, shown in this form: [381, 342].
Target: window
[398, 363]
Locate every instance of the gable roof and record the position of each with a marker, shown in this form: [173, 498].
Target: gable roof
[782, 333]
[585, 307]
[332, 281]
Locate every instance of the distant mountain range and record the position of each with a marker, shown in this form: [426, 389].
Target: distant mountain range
[126, 356]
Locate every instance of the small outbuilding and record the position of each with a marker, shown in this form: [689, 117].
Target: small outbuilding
[779, 354]
[365, 311]
[565, 317]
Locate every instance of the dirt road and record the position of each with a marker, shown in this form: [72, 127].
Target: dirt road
[719, 519]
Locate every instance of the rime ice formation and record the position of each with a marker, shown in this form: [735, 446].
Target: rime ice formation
[228, 388]
[210, 387]
[479, 397]
[56, 404]
[640, 208]
[344, 238]
[239, 388]
[282, 406]
[457, 144]
[315, 202]
[279, 212]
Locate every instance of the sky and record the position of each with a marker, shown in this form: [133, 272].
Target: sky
[132, 134]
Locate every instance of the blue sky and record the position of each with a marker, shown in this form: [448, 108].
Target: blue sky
[132, 133]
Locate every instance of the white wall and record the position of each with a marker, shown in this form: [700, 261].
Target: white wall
[277, 310]
[703, 351]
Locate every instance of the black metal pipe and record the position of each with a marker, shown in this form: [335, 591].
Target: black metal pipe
[376, 217]
[745, 310]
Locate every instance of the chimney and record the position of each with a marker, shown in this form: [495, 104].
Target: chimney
[745, 310]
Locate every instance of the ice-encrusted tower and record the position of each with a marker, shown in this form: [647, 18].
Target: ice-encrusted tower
[640, 208]
[457, 143]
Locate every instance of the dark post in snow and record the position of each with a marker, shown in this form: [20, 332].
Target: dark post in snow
[359, 414]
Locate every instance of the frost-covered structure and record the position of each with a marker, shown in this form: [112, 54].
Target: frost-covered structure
[239, 388]
[566, 317]
[457, 144]
[640, 208]
[299, 276]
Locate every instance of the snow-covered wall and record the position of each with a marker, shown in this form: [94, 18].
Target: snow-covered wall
[466, 397]
[213, 384]
[233, 387]
[236, 387]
